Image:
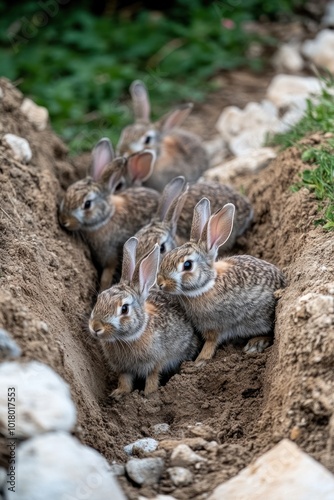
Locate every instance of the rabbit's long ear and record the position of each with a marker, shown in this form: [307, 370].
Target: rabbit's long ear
[129, 259]
[103, 154]
[200, 218]
[174, 118]
[140, 100]
[113, 173]
[148, 269]
[219, 228]
[140, 165]
[171, 191]
[178, 210]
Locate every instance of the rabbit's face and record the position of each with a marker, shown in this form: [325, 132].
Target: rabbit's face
[85, 206]
[186, 271]
[118, 315]
[137, 137]
[149, 235]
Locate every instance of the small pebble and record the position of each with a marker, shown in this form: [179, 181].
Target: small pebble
[19, 146]
[146, 444]
[160, 428]
[37, 115]
[180, 476]
[182, 455]
[117, 469]
[145, 470]
[8, 346]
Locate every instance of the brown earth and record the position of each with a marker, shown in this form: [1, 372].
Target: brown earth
[245, 403]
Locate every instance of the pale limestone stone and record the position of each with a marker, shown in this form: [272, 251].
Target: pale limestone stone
[146, 444]
[57, 466]
[281, 473]
[284, 90]
[180, 476]
[8, 346]
[288, 58]
[20, 147]
[42, 399]
[321, 50]
[145, 470]
[183, 455]
[36, 115]
[246, 164]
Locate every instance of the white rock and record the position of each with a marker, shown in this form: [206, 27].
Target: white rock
[57, 466]
[145, 470]
[180, 476]
[321, 50]
[8, 346]
[42, 401]
[288, 58]
[160, 428]
[117, 469]
[281, 473]
[19, 146]
[247, 129]
[37, 115]
[328, 19]
[246, 164]
[216, 149]
[146, 444]
[283, 90]
[183, 456]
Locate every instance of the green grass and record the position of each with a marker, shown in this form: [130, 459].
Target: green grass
[320, 180]
[319, 117]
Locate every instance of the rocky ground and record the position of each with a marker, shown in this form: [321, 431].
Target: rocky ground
[229, 411]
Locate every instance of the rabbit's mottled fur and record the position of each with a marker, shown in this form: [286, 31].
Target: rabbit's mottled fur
[172, 226]
[178, 151]
[105, 219]
[225, 299]
[152, 335]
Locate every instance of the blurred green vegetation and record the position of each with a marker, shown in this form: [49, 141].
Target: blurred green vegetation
[80, 65]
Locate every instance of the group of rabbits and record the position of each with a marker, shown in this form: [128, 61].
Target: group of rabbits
[173, 290]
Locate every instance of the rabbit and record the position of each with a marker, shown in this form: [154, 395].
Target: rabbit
[225, 299]
[178, 151]
[106, 219]
[142, 333]
[171, 228]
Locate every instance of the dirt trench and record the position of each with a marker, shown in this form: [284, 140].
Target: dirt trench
[246, 403]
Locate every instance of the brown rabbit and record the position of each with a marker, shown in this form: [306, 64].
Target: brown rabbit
[142, 333]
[171, 228]
[106, 219]
[225, 299]
[178, 151]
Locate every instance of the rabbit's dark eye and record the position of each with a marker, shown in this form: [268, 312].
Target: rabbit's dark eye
[119, 186]
[147, 139]
[87, 204]
[187, 265]
[125, 309]
[162, 248]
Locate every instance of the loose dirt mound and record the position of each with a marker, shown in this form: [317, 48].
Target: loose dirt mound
[247, 403]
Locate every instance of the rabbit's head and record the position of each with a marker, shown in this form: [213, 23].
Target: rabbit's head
[119, 313]
[144, 134]
[189, 270]
[162, 229]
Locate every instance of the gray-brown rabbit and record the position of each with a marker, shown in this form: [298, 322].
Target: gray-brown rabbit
[142, 333]
[178, 151]
[171, 227]
[225, 299]
[105, 219]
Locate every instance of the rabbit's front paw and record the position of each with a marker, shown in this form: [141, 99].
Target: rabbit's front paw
[257, 344]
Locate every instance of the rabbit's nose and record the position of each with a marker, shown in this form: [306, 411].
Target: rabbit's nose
[99, 331]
